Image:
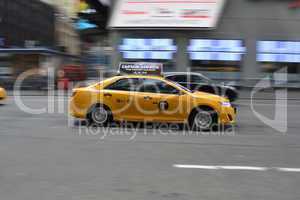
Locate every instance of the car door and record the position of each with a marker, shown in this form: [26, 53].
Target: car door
[159, 101]
[173, 103]
[147, 100]
[119, 96]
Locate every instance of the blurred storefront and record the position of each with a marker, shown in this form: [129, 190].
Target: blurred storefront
[229, 40]
[66, 35]
[39, 64]
[24, 25]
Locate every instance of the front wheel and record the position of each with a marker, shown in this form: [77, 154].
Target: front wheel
[203, 120]
[99, 115]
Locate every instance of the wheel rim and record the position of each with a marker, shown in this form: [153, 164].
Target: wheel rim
[100, 115]
[203, 120]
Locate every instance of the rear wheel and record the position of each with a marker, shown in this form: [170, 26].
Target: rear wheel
[203, 119]
[99, 115]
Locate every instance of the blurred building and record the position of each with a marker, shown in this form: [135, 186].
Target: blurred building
[92, 25]
[36, 36]
[67, 37]
[27, 37]
[26, 23]
[230, 40]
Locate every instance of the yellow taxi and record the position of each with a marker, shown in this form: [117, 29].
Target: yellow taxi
[149, 99]
[2, 94]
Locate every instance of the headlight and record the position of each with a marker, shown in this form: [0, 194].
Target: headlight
[226, 104]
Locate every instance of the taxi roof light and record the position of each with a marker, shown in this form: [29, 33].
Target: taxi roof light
[141, 68]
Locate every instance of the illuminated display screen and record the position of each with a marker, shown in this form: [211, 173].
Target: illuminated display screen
[159, 55]
[148, 48]
[215, 56]
[278, 51]
[218, 50]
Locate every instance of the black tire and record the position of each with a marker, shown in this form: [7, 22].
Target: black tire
[99, 115]
[203, 119]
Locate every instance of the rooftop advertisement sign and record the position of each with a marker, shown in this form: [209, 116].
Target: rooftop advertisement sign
[141, 68]
[166, 14]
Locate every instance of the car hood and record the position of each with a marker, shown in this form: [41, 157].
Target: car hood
[209, 96]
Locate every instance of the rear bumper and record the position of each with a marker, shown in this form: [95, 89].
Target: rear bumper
[76, 110]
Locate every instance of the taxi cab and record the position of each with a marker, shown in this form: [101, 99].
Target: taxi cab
[149, 99]
[2, 94]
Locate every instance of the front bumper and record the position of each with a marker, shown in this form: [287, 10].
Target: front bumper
[227, 115]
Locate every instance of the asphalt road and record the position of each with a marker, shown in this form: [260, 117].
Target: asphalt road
[48, 156]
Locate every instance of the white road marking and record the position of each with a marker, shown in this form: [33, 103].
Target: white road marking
[196, 166]
[288, 169]
[252, 168]
[223, 167]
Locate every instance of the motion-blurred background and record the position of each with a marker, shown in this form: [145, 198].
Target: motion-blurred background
[236, 41]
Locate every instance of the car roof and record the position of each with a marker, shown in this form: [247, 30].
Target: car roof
[141, 76]
[182, 73]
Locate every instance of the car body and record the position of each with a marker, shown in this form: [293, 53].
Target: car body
[197, 81]
[147, 98]
[3, 94]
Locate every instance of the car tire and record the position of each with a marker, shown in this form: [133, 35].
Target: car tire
[203, 119]
[99, 115]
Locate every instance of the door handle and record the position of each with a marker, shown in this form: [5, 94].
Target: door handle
[147, 98]
[107, 95]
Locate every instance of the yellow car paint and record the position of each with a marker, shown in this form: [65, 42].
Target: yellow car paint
[3, 94]
[145, 106]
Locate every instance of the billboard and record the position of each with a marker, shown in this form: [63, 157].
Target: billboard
[166, 14]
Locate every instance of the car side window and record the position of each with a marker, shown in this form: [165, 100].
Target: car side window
[125, 84]
[157, 86]
[178, 78]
